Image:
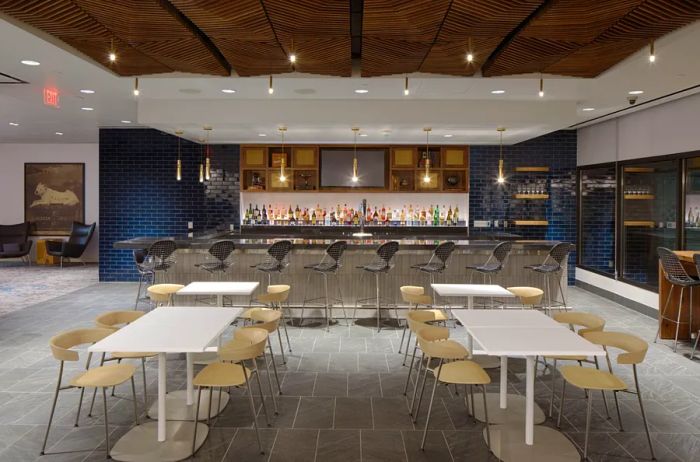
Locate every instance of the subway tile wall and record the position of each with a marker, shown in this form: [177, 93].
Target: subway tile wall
[490, 201]
[139, 195]
[598, 220]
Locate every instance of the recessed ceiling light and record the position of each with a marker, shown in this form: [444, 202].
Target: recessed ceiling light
[86, 108]
[448, 135]
[588, 109]
[497, 92]
[636, 92]
[29, 62]
[126, 121]
[228, 90]
[87, 92]
[14, 124]
[262, 134]
[59, 133]
[361, 91]
[363, 134]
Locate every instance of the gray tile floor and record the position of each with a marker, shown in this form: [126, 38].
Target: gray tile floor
[342, 397]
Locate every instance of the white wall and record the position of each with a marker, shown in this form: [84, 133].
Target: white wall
[12, 159]
[669, 128]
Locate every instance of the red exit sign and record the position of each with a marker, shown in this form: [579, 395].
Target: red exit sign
[51, 97]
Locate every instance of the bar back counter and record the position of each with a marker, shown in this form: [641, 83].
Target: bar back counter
[416, 245]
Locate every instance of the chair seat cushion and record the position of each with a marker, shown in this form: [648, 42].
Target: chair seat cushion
[485, 268]
[133, 355]
[463, 372]
[222, 375]
[104, 376]
[546, 268]
[590, 378]
[430, 267]
[440, 315]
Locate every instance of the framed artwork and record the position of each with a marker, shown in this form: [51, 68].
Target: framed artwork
[54, 197]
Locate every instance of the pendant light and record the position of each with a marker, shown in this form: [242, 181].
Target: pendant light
[201, 160]
[112, 52]
[541, 93]
[270, 88]
[501, 177]
[354, 178]
[283, 177]
[470, 52]
[426, 177]
[178, 169]
[207, 157]
[406, 91]
[652, 55]
[137, 92]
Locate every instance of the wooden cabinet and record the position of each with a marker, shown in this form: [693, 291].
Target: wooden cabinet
[253, 156]
[455, 156]
[305, 157]
[403, 157]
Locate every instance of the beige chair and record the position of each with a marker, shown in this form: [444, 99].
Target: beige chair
[114, 320]
[268, 319]
[582, 323]
[274, 298]
[415, 321]
[528, 296]
[162, 294]
[98, 377]
[452, 368]
[634, 350]
[247, 345]
[415, 296]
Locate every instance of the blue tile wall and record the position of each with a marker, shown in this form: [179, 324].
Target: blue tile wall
[598, 219]
[490, 201]
[139, 195]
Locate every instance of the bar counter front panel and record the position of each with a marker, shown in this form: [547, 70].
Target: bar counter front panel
[354, 283]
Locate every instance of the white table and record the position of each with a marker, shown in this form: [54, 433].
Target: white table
[470, 291]
[219, 289]
[169, 330]
[525, 333]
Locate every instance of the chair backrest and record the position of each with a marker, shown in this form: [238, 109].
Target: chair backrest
[673, 268]
[114, 319]
[266, 319]
[501, 252]
[279, 250]
[387, 251]
[559, 252]
[411, 294]
[634, 348]
[278, 292]
[418, 319]
[222, 250]
[434, 346]
[254, 345]
[587, 321]
[162, 250]
[443, 251]
[336, 249]
[14, 234]
[81, 233]
[62, 343]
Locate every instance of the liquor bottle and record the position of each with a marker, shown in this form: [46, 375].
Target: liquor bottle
[297, 214]
[411, 217]
[313, 217]
[403, 216]
[382, 215]
[436, 216]
[448, 221]
[264, 216]
[256, 214]
[375, 217]
[455, 216]
[389, 215]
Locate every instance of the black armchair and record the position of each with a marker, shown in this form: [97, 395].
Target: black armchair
[14, 241]
[74, 247]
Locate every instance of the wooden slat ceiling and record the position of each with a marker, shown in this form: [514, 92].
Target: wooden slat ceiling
[580, 38]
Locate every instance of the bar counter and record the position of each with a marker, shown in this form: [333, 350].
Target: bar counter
[353, 282]
[668, 329]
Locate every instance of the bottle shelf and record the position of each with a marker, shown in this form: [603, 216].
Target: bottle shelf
[531, 223]
[526, 169]
[531, 196]
[639, 197]
[639, 223]
[638, 170]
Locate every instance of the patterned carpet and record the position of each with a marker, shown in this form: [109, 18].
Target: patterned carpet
[22, 285]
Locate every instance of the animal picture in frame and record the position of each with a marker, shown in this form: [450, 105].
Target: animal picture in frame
[54, 197]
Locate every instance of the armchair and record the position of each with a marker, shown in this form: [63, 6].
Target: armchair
[74, 247]
[14, 241]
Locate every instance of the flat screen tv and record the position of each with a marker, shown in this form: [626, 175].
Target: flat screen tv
[336, 167]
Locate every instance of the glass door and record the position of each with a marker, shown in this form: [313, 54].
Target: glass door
[691, 216]
[597, 207]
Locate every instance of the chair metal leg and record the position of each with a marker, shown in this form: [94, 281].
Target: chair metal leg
[262, 395]
[53, 407]
[588, 425]
[94, 391]
[641, 408]
[80, 404]
[422, 390]
[561, 402]
[551, 398]
[145, 388]
[430, 408]
[663, 312]
[252, 409]
[284, 326]
[408, 345]
[133, 394]
[104, 403]
[695, 346]
[378, 315]
[211, 398]
[486, 417]
[269, 384]
[410, 369]
[327, 307]
[416, 384]
[403, 336]
[678, 320]
[279, 339]
[196, 419]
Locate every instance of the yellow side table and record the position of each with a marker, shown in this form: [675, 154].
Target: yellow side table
[43, 258]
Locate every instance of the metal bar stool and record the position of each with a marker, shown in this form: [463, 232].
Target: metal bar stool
[382, 264]
[159, 258]
[493, 265]
[552, 266]
[277, 259]
[675, 274]
[330, 264]
[437, 263]
[696, 260]
[219, 260]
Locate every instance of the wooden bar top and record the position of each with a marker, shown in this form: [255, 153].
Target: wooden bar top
[686, 255]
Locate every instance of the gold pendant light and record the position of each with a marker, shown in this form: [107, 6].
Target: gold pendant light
[207, 159]
[178, 170]
[283, 177]
[501, 177]
[201, 160]
[137, 92]
[426, 177]
[354, 178]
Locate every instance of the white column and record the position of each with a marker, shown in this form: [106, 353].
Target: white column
[530, 400]
[190, 379]
[504, 382]
[162, 419]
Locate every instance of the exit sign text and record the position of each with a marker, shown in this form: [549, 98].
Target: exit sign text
[51, 97]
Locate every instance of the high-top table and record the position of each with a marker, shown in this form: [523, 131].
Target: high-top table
[470, 291]
[167, 330]
[527, 333]
[219, 289]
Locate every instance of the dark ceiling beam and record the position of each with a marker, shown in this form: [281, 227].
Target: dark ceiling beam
[437, 34]
[356, 13]
[192, 27]
[514, 33]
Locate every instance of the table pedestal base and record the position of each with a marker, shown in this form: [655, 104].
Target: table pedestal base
[177, 408]
[508, 444]
[141, 442]
[514, 413]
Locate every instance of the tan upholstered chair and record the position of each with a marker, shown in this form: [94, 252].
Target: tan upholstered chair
[162, 294]
[415, 296]
[528, 296]
[98, 377]
[634, 350]
[452, 368]
[247, 345]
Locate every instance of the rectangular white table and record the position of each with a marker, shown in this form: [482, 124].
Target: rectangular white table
[470, 291]
[171, 330]
[219, 289]
[525, 333]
